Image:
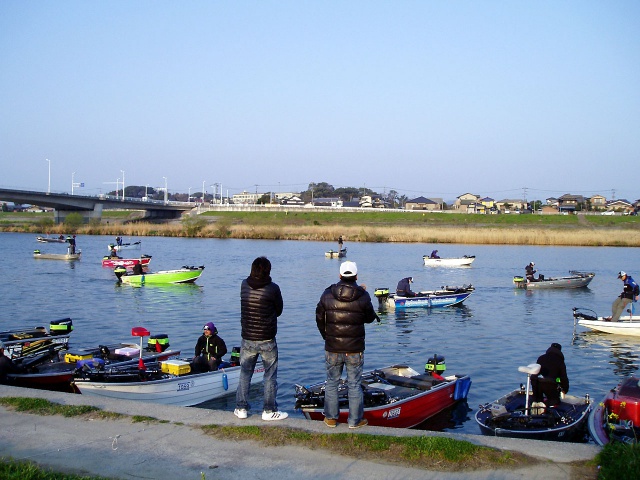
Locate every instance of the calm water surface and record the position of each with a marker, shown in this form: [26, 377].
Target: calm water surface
[498, 329]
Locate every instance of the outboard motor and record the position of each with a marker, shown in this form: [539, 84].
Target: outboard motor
[382, 294]
[60, 327]
[158, 343]
[235, 357]
[435, 365]
[119, 271]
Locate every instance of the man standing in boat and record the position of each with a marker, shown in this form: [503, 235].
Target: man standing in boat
[340, 243]
[629, 294]
[260, 306]
[341, 314]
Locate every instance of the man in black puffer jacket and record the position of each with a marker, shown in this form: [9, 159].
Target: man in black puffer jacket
[260, 306]
[553, 376]
[341, 314]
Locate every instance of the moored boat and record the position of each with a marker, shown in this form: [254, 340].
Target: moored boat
[125, 262]
[30, 341]
[173, 383]
[514, 415]
[617, 416]
[444, 297]
[162, 277]
[465, 261]
[59, 239]
[575, 279]
[626, 325]
[336, 253]
[57, 256]
[394, 396]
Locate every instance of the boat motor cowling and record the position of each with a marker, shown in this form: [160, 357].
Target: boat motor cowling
[435, 364]
[119, 271]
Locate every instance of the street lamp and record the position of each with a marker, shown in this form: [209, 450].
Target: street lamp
[72, 183]
[165, 190]
[189, 197]
[122, 185]
[203, 192]
[49, 185]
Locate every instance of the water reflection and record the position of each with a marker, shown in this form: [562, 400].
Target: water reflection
[621, 350]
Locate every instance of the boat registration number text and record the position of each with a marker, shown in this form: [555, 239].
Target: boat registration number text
[393, 413]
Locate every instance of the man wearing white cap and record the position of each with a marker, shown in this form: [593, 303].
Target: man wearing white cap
[341, 314]
[629, 294]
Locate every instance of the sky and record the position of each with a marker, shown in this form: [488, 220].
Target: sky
[505, 99]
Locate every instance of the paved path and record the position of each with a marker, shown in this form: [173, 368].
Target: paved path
[122, 449]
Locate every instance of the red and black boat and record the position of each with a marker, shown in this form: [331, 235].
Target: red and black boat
[617, 416]
[126, 262]
[394, 396]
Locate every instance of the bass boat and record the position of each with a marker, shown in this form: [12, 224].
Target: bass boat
[444, 297]
[573, 280]
[125, 262]
[51, 239]
[57, 256]
[162, 277]
[395, 396]
[626, 325]
[28, 342]
[125, 246]
[617, 416]
[465, 261]
[515, 415]
[336, 253]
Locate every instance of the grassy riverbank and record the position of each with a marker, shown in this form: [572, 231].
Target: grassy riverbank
[401, 227]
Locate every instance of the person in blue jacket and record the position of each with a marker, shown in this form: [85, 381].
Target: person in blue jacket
[629, 294]
[404, 288]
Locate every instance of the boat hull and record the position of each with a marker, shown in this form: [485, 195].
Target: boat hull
[427, 299]
[58, 256]
[617, 416]
[448, 262]
[165, 277]
[50, 240]
[184, 390]
[515, 424]
[573, 281]
[126, 262]
[336, 254]
[629, 325]
[125, 246]
[404, 407]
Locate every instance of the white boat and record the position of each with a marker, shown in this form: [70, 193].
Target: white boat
[448, 262]
[57, 256]
[168, 389]
[125, 246]
[336, 254]
[627, 325]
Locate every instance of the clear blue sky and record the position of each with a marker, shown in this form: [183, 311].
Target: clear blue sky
[433, 98]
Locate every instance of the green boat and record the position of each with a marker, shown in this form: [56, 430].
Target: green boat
[162, 277]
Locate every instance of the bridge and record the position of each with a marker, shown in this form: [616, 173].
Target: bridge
[91, 207]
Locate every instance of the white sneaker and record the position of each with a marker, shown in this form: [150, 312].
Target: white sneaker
[270, 416]
[240, 412]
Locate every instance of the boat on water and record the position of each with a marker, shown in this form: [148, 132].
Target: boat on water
[394, 396]
[575, 279]
[514, 415]
[57, 256]
[336, 253]
[465, 261]
[125, 246]
[627, 325]
[30, 341]
[171, 383]
[617, 416]
[444, 297]
[163, 277]
[59, 239]
[108, 261]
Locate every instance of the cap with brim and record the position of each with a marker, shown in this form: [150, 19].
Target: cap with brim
[348, 269]
[621, 274]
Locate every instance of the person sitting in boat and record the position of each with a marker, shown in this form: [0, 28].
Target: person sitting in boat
[629, 294]
[6, 365]
[61, 237]
[530, 272]
[137, 269]
[119, 241]
[552, 381]
[210, 349]
[114, 253]
[434, 254]
[404, 288]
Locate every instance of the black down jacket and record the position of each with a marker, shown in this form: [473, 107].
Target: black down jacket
[341, 314]
[260, 306]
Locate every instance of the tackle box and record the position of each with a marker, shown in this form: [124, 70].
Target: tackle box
[128, 351]
[175, 367]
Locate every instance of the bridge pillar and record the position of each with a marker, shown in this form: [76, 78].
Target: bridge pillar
[87, 215]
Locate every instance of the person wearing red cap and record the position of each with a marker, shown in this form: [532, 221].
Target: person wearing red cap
[629, 294]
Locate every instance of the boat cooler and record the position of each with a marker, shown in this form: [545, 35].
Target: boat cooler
[175, 367]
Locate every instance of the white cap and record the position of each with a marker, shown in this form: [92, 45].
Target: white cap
[348, 269]
[621, 274]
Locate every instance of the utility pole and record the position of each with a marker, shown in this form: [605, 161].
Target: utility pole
[49, 184]
[122, 185]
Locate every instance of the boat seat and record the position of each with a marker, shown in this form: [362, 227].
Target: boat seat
[410, 382]
[531, 369]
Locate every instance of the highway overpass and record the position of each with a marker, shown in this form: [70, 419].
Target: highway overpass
[91, 207]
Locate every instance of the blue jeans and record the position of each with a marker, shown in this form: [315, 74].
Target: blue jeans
[249, 351]
[335, 362]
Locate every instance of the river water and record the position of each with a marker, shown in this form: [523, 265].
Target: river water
[496, 330]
